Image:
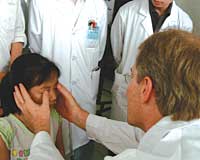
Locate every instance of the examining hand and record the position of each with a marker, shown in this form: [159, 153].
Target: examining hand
[69, 109]
[37, 117]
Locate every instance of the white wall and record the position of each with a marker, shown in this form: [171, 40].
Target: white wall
[192, 7]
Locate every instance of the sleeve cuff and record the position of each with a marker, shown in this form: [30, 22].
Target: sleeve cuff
[22, 39]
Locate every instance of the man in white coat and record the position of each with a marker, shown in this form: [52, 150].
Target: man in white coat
[163, 106]
[72, 33]
[12, 36]
[134, 22]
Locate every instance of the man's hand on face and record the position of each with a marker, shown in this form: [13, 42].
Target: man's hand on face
[37, 117]
[69, 109]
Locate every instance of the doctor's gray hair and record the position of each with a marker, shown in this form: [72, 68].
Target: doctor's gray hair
[172, 60]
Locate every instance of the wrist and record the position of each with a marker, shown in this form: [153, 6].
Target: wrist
[42, 125]
[81, 118]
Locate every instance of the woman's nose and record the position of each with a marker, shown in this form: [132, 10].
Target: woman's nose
[52, 95]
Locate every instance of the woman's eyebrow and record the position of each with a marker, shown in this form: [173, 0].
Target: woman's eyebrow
[46, 87]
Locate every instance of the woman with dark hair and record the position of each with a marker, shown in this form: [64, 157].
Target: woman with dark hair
[38, 75]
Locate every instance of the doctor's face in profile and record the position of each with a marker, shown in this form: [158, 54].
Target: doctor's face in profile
[36, 92]
[161, 3]
[133, 97]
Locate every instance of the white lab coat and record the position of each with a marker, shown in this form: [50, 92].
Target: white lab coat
[12, 27]
[166, 140]
[43, 148]
[25, 8]
[132, 25]
[59, 32]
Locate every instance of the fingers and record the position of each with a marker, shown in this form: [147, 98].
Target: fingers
[24, 92]
[63, 90]
[18, 95]
[17, 101]
[18, 98]
[65, 96]
[45, 99]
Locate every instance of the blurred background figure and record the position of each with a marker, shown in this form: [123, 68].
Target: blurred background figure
[12, 36]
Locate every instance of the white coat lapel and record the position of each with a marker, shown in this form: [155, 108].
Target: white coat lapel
[78, 9]
[146, 22]
[70, 12]
[171, 21]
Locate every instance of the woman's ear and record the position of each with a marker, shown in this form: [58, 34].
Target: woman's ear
[146, 88]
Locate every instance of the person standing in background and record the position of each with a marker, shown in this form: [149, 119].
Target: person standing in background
[134, 22]
[12, 36]
[72, 33]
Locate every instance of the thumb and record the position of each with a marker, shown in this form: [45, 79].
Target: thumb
[66, 96]
[64, 92]
[45, 99]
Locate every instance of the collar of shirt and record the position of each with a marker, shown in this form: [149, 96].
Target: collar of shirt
[157, 20]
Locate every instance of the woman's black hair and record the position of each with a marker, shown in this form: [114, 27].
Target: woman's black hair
[29, 69]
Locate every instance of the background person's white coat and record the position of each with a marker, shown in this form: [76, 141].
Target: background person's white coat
[12, 27]
[59, 32]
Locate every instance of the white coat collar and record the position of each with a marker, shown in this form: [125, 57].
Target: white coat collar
[144, 11]
[144, 8]
[171, 21]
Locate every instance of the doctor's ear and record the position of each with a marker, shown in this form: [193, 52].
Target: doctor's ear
[146, 88]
